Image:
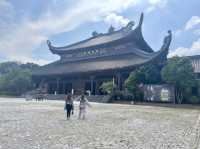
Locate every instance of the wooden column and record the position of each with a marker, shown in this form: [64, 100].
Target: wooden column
[63, 87]
[92, 85]
[41, 84]
[78, 86]
[57, 85]
[46, 88]
[97, 87]
[119, 81]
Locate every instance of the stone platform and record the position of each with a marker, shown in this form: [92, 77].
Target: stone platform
[42, 125]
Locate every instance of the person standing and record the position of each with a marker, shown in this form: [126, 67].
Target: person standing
[82, 107]
[69, 106]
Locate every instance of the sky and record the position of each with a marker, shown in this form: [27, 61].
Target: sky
[25, 25]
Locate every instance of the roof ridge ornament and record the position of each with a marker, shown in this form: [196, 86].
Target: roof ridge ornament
[50, 45]
[130, 25]
[141, 19]
[167, 41]
[95, 34]
[111, 29]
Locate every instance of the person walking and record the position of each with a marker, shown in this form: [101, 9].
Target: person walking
[82, 107]
[69, 106]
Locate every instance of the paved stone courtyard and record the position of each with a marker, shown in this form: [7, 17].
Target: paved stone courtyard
[42, 125]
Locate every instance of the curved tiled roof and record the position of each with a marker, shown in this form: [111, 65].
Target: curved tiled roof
[104, 39]
[101, 64]
[94, 41]
[138, 54]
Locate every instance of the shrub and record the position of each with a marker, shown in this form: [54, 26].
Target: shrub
[179, 72]
[194, 100]
[121, 95]
[15, 82]
[116, 95]
[108, 87]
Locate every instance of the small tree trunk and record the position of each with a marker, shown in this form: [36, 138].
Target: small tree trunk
[176, 95]
[179, 96]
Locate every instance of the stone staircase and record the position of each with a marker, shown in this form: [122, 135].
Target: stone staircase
[98, 98]
[92, 98]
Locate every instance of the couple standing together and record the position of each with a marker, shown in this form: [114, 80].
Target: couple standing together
[69, 106]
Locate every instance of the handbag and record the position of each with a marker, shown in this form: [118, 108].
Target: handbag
[65, 108]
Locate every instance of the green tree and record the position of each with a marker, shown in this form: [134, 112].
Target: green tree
[15, 77]
[6, 67]
[15, 82]
[149, 74]
[179, 72]
[132, 84]
[108, 87]
[29, 66]
[132, 81]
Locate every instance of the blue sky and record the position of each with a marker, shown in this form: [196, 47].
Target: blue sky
[25, 25]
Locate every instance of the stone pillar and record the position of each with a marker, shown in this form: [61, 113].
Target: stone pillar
[196, 65]
[113, 80]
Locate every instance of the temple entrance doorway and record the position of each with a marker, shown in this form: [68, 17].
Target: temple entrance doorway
[52, 88]
[67, 88]
[90, 87]
[87, 87]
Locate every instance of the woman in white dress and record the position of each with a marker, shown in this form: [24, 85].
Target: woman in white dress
[82, 107]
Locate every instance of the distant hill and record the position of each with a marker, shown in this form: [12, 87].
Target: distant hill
[7, 67]
[15, 78]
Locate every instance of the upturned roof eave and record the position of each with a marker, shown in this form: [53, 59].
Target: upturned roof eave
[136, 33]
[152, 57]
[61, 50]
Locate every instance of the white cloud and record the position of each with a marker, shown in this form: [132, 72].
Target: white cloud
[116, 20]
[194, 49]
[197, 31]
[181, 51]
[196, 45]
[20, 38]
[177, 32]
[5, 7]
[193, 22]
[154, 4]
[6, 15]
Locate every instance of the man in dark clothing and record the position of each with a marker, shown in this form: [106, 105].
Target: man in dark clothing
[69, 106]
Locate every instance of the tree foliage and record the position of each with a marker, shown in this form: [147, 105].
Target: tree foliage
[179, 72]
[132, 81]
[149, 74]
[8, 66]
[108, 87]
[15, 78]
[16, 82]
